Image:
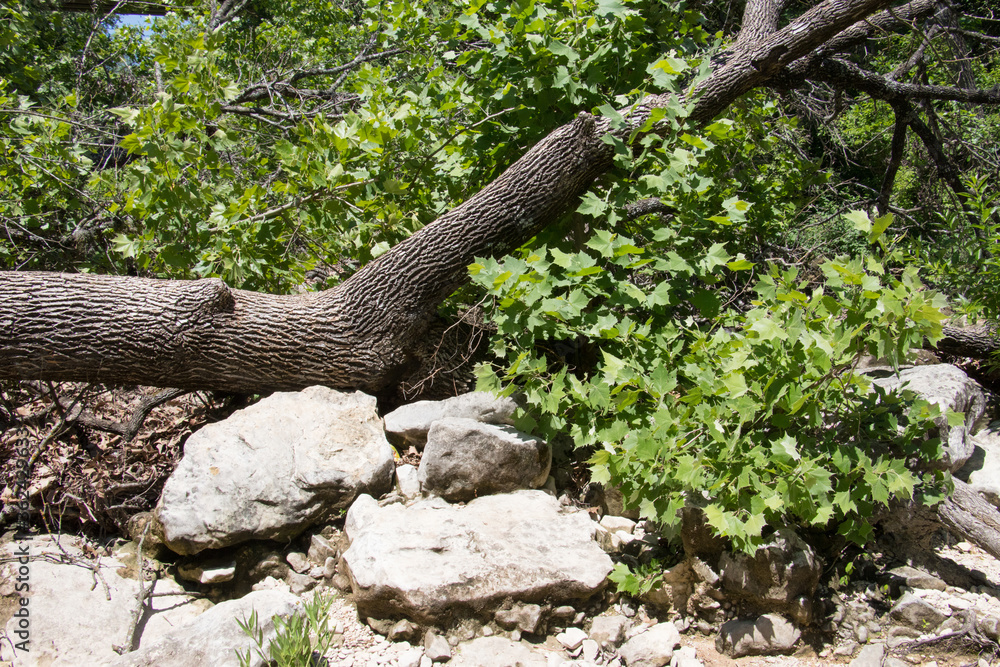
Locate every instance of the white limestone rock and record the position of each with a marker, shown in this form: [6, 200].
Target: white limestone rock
[465, 459]
[782, 570]
[948, 387]
[71, 619]
[298, 561]
[872, 655]
[686, 656]
[982, 470]
[436, 647]
[652, 648]
[409, 424]
[917, 613]
[407, 481]
[496, 652]
[320, 549]
[614, 524]
[571, 638]
[274, 468]
[213, 571]
[767, 635]
[915, 578]
[431, 559]
[524, 617]
[608, 631]
[214, 637]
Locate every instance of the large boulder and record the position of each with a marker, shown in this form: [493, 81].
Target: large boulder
[950, 388]
[917, 613]
[215, 637]
[81, 604]
[409, 424]
[434, 562]
[465, 458]
[275, 468]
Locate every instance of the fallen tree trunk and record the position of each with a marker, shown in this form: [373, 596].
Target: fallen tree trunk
[980, 342]
[965, 514]
[368, 332]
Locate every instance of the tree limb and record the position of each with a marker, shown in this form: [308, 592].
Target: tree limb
[895, 157]
[843, 73]
[946, 168]
[885, 21]
[981, 342]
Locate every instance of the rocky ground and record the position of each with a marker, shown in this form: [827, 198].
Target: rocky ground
[472, 549]
[362, 647]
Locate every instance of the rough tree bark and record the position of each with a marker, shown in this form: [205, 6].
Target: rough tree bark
[367, 333]
[981, 342]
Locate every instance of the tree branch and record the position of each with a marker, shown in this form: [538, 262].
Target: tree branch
[263, 90]
[902, 113]
[945, 167]
[750, 65]
[885, 21]
[916, 57]
[846, 74]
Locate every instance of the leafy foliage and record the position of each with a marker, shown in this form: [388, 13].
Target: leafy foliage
[282, 141]
[962, 258]
[756, 415]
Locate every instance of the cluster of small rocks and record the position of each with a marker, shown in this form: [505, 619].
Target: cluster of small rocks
[478, 557]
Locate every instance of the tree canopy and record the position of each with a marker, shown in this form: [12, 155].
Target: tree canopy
[680, 225]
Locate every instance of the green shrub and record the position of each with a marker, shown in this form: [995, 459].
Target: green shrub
[298, 639]
[757, 416]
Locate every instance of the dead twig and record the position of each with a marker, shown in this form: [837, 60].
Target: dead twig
[144, 593]
[129, 428]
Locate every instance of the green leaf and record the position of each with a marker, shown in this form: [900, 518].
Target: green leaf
[560, 49]
[706, 302]
[395, 187]
[608, 111]
[667, 66]
[592, 205]
[736, 384]
[878, 227]
[785, 447]
[697, 142]
[740, 264]
[611, 8]
[613, 368]
[126, 114]
[716, 256]
[767, 329]
[860, 220]
[718, 519]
